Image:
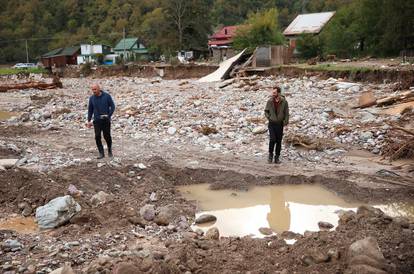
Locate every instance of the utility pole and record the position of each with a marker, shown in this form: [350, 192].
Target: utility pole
[27, 53]
[124, 45]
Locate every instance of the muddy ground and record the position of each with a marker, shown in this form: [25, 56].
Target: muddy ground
[103, 237]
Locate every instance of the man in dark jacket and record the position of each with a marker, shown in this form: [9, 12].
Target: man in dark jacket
[277, 113]
[101, 107]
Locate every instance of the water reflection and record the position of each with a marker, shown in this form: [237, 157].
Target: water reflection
[295, 208]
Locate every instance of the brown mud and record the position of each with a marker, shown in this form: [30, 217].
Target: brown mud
[194, 253]
[404, 79]
[147, 71]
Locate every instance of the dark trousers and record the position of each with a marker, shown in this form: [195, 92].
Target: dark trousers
[102, 126]
[275, 138]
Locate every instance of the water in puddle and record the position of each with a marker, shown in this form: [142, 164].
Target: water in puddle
[5, 115]
[295, 208]
[19, 224]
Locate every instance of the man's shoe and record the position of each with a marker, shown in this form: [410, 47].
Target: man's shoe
[277, 161]
[110, 155]
[101, 155]
[270, 159]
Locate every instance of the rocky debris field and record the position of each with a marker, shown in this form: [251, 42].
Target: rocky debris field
[125, 215]
[225, 118]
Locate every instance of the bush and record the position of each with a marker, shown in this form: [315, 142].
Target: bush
[86, 69]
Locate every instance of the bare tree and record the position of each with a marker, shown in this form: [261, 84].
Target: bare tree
[178, 10]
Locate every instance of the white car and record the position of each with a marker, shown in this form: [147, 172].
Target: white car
[25, 65]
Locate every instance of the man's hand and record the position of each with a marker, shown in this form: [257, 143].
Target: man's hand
[88, 124]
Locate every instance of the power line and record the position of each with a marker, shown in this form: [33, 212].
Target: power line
[56, 38]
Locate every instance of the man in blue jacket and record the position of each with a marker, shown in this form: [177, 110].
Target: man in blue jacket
[101, 107]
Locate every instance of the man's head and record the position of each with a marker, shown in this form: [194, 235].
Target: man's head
[276, 91]
[96, 89]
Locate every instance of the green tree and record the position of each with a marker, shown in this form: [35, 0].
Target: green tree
[260, 29]
[309, 45]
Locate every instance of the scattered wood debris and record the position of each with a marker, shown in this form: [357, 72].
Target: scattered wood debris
[36, 85]
[318, 144]
[207, 130]
[367, 99]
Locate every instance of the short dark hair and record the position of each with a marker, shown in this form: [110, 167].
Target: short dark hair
[279, 90]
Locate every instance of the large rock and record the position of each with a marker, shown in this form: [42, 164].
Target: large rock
[365, 257]
[368, 246]
[8, 163]
[259, 130]
[147, 212]
[57, 212]
[165, 215]
[205, 218]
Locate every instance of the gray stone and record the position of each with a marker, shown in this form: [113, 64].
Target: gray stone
[57, 212]
[12, 244]
[153, 197]
[172, 130]
[147, 212]
[205, 218]
[365, 136]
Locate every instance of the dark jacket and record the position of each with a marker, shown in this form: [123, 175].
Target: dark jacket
[100, 105]
[281, 116]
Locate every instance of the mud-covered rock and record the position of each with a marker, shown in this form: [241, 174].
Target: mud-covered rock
[325, 225]
[63, 270]
[100, 198]
[314, 256]
[365, 257]
[126, 268]
[213, 233]
[57, 212]
[165, 215]
[266, 231]
[369, 211]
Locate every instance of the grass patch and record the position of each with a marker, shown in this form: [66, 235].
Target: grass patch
[336, 68]
[10, 71]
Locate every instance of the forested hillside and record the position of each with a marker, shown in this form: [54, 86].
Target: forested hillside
[168, 25]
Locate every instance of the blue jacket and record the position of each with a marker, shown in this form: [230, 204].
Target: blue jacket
[100, 105]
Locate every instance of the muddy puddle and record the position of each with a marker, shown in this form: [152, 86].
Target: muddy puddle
[19, 224]
[295, 208]
[5, 115]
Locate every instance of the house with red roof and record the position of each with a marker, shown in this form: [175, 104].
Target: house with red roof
[220, 43]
